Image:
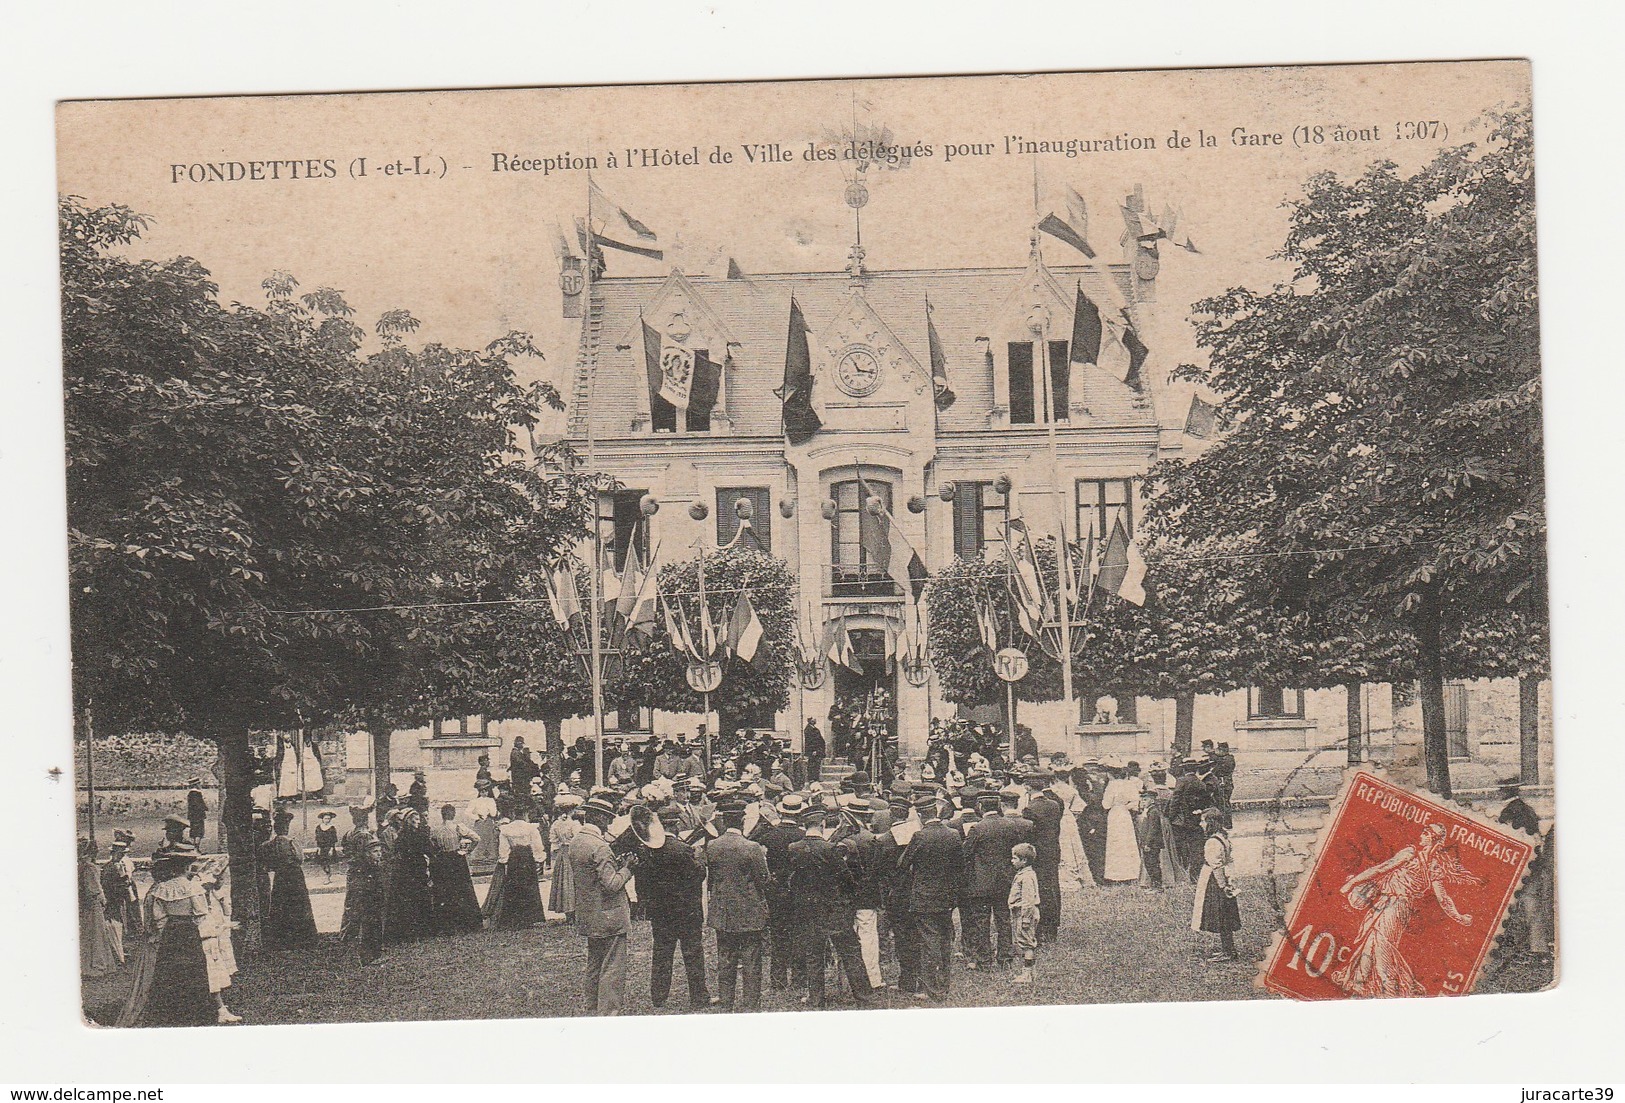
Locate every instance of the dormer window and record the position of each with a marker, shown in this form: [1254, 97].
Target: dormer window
[1027, 397]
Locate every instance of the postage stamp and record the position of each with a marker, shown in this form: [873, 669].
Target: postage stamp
[1404, 896]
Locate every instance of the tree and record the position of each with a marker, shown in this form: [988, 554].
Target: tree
[252, 504]
[652, 674]
[1383, 408]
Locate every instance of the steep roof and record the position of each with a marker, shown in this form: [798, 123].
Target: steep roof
[756, 312]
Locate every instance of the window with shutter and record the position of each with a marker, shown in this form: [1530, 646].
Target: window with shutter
[967, 520]
[626, 529]
[1060, 374]
[761, 520]
[1021, 383]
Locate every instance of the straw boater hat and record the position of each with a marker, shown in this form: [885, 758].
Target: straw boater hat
[791, 806]
[599, 805]
[567, 800]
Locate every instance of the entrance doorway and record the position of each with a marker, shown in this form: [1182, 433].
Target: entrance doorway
[855, 690]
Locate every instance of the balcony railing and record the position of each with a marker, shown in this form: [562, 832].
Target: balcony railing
[868, 580]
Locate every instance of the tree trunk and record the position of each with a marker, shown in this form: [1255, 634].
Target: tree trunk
[1128, 709]
[1529, 730]
[381, 765]
[1430, 684]
[1356, 740]
[553, 725]
[1184, 722]
[237, 814]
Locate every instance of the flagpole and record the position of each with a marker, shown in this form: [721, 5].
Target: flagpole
[595, 598]
[1062, 565]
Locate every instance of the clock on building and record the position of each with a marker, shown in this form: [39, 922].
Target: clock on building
[858, 372]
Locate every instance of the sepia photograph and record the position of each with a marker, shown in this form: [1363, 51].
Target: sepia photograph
[705, 549]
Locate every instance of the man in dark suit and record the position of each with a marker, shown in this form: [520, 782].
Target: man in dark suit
[736, 870]
[934, 859]
[1191, 797]
[822, 887]
[1091, 784]
[812, 748]
[671, 883]
[1045, 810]
[784, 968]
[987, 879]
[894, 880]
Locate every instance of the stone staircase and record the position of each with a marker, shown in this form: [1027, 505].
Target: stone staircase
[835, 771]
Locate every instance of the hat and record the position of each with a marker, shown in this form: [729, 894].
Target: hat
[671, 817]
[178, 820]
[1010, 792]
[988, 798]
[1039, 777]
[859, 778]
[326, 815]
[566, 800]
[696, 784]
[177, 852]
[194, 782]
[597, 804]
[792, 805]
[1158, 766]
[730, 806]
[123, 836]
[927, 798]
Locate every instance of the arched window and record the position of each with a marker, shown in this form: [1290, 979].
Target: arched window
[860, 547]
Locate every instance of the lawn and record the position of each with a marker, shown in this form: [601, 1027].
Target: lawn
[1117, 946]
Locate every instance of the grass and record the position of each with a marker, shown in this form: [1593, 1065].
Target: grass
[1116, 946]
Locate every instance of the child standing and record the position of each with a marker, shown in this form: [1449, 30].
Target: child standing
[1024, 908]
[1215, 909]
[327, 842]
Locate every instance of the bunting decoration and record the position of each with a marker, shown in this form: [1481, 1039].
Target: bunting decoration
[1073, 228]
[943, 392]
[744, 629]
[629, 226]
[1202, 420]
[801, 421]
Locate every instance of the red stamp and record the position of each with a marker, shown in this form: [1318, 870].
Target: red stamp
[1404, 897]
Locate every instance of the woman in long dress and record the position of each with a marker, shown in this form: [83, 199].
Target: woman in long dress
[289, 921]
[215, 931]
[409, 905]
[1121, 800]
[172, 975]
[516, 899]
[1074, 864]
[97, 955]
[1215, 909]
[483, 812]
[456, 908]
[561, 895]
[1389, 893]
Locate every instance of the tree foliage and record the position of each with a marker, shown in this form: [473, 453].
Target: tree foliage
[1383, 443]
[651, 673]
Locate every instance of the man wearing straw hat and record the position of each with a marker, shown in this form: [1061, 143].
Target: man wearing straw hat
[603, 910]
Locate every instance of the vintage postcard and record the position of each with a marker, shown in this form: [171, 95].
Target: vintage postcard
[880, 543]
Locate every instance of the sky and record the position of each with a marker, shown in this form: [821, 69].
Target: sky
[470, 251]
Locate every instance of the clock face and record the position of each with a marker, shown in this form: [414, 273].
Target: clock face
[858, 372]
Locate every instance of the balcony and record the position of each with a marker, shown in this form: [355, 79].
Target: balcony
[866, 580]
